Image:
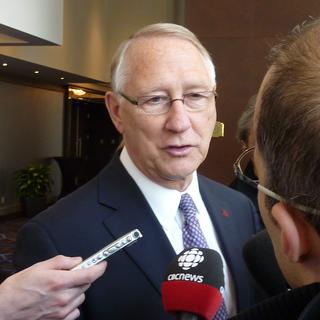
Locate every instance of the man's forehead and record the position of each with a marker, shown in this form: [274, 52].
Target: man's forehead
[160, 44]
[149, 58]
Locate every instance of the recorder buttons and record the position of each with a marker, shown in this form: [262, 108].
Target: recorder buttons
[111, 248]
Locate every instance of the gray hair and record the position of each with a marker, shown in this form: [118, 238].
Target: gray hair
[118, 77]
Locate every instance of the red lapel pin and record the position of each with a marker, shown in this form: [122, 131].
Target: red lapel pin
[225, 213]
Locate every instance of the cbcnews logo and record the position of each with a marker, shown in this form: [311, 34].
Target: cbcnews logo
[186, 261]
[190, 259]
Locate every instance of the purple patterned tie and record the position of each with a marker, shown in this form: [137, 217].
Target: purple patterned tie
[193, 237]
[191, 233]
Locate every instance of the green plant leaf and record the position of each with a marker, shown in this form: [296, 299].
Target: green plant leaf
[33, 180]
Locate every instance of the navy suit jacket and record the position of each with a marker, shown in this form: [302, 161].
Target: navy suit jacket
[111, 205]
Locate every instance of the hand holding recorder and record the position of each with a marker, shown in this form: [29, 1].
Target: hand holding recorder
[47, 290]
[50, 290]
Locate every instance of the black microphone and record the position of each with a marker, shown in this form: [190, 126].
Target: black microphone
[193, 285]
[261, 261]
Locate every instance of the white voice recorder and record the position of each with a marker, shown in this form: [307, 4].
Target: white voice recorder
[110, 249]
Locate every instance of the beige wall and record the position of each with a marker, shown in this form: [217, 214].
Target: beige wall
[124, 17]
[31, 128]
[31, 119]
[38, 18]
[92, 31]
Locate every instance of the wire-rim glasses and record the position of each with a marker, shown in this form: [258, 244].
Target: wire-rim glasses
[239, 173]
[160, 104]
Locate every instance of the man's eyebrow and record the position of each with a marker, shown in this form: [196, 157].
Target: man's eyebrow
[162, 89]
[144, 91]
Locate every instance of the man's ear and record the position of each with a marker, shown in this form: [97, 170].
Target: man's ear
[293, 233]
[113, 107]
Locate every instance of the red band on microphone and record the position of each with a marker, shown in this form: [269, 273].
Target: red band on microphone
[189, 296]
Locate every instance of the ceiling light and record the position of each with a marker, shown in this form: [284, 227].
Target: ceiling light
[4, 64]
[61, 78]
[37, 71]
[77, 92]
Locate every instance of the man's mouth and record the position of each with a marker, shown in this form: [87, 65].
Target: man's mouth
[182, 150]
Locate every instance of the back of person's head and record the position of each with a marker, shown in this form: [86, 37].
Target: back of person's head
[245, 122]
[288, 126]
[118, 65]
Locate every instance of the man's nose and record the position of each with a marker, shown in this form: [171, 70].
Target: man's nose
[173, 100]
[178, 117]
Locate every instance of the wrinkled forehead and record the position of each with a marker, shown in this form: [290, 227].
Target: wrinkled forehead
[152, 49]
[161, 52]
[147, 50]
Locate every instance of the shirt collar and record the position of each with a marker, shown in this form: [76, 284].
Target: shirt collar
[163, 201]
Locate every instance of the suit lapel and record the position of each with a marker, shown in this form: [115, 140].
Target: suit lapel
[222, 220]
[130, 210]
[231, 231]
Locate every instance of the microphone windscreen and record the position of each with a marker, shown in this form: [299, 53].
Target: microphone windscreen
[193, 283]
[261, 261]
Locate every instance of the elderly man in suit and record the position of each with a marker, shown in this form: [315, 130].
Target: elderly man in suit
[163, 104]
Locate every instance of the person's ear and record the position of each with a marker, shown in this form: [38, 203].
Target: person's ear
[293, 233]
[113, 107]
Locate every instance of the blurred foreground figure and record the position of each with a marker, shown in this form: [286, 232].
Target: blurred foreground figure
[287, 162]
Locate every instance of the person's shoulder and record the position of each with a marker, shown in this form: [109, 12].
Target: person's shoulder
[220, 189]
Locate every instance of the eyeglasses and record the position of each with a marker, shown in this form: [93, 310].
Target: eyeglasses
[160, 104]
[241, 162]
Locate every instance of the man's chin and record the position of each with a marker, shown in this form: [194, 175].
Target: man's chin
[178, 174]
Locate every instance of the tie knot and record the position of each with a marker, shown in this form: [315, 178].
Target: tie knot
[192, 235]
[187, 205]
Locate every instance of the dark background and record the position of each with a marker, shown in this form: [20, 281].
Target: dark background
[238, 34]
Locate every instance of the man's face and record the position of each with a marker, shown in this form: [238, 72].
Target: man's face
[169, 147]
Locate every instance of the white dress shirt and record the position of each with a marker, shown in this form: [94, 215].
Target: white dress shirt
[165, 205]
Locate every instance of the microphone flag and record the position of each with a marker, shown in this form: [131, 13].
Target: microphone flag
[194, 283]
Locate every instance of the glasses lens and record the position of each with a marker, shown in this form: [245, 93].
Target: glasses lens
[154, 104]
[198, 100]
[161, 104]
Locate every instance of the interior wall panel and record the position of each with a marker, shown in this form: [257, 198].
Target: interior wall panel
[239, 35]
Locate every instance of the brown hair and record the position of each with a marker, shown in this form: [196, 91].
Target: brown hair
[288, 127]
